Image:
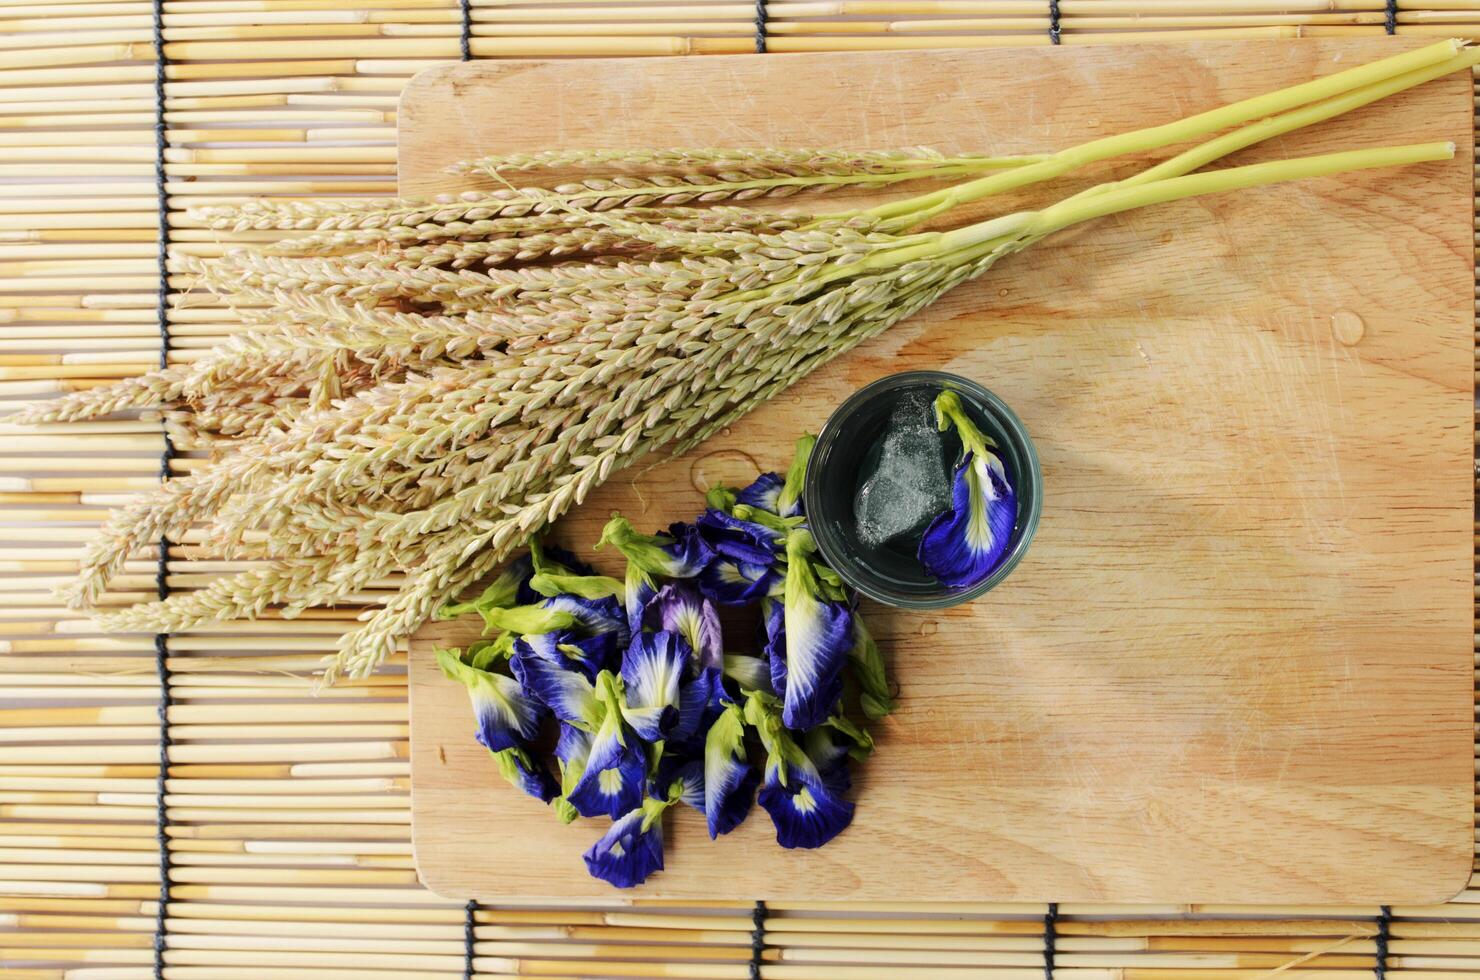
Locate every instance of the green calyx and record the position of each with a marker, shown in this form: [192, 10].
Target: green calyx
[528, 619]
[951, 414]
[585, 586]
[796, 474]
[642, 550]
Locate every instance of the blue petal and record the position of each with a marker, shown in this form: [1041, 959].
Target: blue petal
[743, 541]
[806, 812]
[688, 774]
[525, 772]
[630, 850]
[731, 583]
[593, 617]
[613, 779]
[504, 715]
[555, 680]
[678, 608]
[689, 552]
[816, 638]
[962, 546]
[653, 669]
[640, 592]
[729, 779]
[764, 493]
[828, 750]
[700, 698]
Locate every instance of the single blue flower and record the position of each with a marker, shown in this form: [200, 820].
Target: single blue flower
[962, 546]
[615, 772]
[805, 810]
[732, 583]
[505, 715]
[525, 772]
[683, 777]
[653, 669]
[700, 699]
[594, 617]
[816, 636]
[764, 493]
[679, 608]
[743, 542]
[632, 847]
[572, 751]
[554, 678]
[729, 779]
[830, 746]
[680, 554]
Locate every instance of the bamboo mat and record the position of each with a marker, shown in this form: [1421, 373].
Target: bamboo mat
[286, 817]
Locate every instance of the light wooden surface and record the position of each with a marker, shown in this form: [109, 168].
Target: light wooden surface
[1236, 664]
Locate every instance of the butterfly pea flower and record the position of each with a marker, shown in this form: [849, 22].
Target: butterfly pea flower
[805, 810]
[962, 546]
[700, 698]
[780, 495]
[525, 772]
[615, 770]
[632, 848]
[572, 752]
[743, 541]
[831, 745]
[593, 617]
[653, 669]
[810, 649]
[734, 583]
[549, 675]
[685, 774]
[764, 493]
[505, 715]
[679, 608]
[681, 553]
[729, 779]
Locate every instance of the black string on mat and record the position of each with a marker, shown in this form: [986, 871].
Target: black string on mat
[760, 26]
[1050, 939]
[1384, 931]
[468, 911]
[757, 938]
[1055, 34]
[1390, 23]
[162, 561]
[466, 38]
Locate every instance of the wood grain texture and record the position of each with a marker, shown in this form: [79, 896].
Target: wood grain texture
[1235, 665]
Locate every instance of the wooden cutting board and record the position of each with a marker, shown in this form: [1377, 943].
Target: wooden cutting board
[1235, 665]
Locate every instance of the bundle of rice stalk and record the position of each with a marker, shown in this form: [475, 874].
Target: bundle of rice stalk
[426, 384]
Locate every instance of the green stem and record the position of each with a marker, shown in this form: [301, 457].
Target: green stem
[1116, 199]
[1206, 153]
[912, 210]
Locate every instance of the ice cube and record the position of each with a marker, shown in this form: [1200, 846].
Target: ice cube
[910, 482]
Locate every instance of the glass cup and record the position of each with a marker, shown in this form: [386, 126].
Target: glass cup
[893, 575]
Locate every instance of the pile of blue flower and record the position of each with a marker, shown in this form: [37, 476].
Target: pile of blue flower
[632, 680]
